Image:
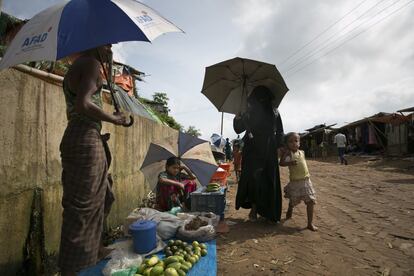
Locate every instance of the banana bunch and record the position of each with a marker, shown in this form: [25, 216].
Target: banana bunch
[213, 187]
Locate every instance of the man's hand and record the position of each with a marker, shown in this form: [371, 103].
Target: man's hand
[119, 119]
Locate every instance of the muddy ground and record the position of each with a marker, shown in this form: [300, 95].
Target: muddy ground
[365, 215]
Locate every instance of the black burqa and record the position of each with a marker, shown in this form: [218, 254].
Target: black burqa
[260, 180]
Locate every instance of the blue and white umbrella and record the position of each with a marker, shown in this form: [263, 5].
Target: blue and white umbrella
[218, 141]
[74, 26]
[194, 153]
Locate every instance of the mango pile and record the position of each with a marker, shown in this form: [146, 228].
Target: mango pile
[180, 258]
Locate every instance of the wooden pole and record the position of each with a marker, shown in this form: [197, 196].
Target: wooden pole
[222, 119]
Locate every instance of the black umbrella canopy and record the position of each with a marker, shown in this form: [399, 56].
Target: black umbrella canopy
[228, 84]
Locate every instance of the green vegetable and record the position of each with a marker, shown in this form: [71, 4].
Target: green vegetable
[171, 259]
[171, 272]
[181, 273]
[176, 265]
[156, 270]
[153, 261]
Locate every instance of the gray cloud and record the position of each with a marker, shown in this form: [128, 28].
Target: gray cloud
[369, 74]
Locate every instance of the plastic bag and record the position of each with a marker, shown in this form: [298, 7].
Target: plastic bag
[175, 210]
[202, 234]
[212, 218]
[122, 263]
[167, 224]
[125, 272]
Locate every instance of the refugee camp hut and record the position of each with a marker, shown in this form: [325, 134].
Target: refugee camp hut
[125, 77]
[410, 129]
[317, 141]
[366, 135]
[399, 130]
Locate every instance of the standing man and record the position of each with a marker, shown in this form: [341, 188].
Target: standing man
[228, 150]
[85, 166]
[340, 141]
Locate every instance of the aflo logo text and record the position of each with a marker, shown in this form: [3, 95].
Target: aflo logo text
[34, 40]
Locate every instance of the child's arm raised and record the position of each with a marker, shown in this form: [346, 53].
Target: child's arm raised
[284, 163]
[191, 176]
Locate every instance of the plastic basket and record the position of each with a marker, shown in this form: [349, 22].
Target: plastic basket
[226, 167]
[219, 177]
[202, 201]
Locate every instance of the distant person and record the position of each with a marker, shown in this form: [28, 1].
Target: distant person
[174, 186]
[237, 159]
[340, 141]
[259, 186]
[227, 150]
[300, 186]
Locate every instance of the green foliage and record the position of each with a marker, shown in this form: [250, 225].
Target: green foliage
[161, 98]
[170, 121]
[192, 130]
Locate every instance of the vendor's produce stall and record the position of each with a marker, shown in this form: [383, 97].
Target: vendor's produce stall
[187, 246]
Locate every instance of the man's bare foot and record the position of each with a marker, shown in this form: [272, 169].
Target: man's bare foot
[104, 252]
[312, 227]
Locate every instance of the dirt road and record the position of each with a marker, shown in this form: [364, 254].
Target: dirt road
[365, 215]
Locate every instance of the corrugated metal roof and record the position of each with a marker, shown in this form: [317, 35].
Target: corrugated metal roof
[367, 119]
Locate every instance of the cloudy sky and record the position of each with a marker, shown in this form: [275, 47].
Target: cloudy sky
[358, 57]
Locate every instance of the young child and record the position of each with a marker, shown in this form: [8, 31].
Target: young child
[237, 159]
[174, 187]
[299, 187]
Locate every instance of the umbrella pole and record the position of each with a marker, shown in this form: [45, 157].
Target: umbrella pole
[222, 119]
[108, 77]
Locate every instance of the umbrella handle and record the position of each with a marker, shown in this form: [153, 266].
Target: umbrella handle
[111, 89]
[131, 122]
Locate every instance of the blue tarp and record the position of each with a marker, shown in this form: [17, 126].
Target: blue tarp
[207, 266]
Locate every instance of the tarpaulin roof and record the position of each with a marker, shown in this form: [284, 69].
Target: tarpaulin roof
[318, 128]
[394, 119]
[410, 109]
[130, 104]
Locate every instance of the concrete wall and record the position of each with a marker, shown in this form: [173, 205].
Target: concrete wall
[32, 123]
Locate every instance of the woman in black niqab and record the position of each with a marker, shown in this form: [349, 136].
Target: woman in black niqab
[259, 186]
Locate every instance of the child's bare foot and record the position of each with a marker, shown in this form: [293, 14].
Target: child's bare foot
[289, 214]
[253, 216]
[312, 227]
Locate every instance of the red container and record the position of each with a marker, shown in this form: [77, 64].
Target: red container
[226, 167]
[220, 177]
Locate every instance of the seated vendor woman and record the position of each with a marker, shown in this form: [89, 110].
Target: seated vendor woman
[174, 186]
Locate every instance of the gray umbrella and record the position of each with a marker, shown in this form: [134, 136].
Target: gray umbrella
[228, 84]
[194, 153]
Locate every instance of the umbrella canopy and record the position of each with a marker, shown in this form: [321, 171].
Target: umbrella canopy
[194, 153]
[218, 141]
[229, 83]
[74, 26]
